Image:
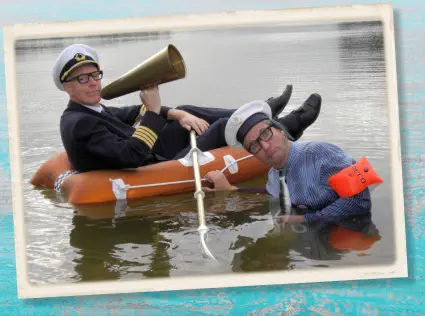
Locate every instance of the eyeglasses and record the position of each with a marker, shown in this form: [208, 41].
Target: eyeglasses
[265, 135]
[84, 78]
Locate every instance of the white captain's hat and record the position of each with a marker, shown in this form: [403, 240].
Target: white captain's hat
[69, 59]
[243, 119]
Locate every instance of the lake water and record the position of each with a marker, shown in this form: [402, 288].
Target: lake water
[226, 68]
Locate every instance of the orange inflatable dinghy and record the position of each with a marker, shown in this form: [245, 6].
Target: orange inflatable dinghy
[164, 178]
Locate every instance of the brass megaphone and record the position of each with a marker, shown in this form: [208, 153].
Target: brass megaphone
[165, 66]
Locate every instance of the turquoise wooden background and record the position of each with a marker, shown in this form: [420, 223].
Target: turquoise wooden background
[378, 297]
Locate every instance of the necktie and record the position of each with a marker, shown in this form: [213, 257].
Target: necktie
[282, 200]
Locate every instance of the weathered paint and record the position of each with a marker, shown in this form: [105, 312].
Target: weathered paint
[378, 297]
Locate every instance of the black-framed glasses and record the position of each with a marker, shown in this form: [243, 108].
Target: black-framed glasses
[265, 135]
[84, 78]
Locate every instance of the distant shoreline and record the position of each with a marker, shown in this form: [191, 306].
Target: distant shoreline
[62, 42]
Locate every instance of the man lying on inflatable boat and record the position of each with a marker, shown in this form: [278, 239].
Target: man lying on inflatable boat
[97, 137]
[320, 177]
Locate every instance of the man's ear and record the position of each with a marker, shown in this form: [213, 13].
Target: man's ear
[67, 87]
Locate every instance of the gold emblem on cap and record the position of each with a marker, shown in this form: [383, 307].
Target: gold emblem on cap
[79, 57]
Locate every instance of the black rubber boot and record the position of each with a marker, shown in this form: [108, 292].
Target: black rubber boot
[300, 119]
[278, 104]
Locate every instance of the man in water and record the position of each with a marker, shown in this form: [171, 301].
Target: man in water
[97, 137]
[305, 167]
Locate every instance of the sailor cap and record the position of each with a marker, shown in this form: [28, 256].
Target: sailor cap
[243, 119]
[70, 58]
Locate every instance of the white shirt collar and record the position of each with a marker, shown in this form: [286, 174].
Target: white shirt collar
[94, 108]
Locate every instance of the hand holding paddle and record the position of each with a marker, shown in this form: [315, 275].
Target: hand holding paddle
[220, 182]
[189, 121]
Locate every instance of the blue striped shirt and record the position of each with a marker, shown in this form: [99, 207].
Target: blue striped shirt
[309, 166]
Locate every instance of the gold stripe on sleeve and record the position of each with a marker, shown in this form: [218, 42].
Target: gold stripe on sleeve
[146, 135]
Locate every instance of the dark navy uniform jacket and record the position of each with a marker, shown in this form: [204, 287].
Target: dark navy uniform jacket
[107, 140]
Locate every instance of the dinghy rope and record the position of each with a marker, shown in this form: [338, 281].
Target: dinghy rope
[120, 188]
[59, 180]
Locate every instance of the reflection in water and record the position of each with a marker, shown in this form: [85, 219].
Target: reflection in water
[101, 245]
[319, 242]
[102, 233]
[157, 237]
[134, 245]
[268, 253]
[331, 242]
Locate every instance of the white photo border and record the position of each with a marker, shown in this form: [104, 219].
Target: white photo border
[304, 16]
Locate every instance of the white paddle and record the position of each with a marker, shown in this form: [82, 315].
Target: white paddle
[199, 195]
